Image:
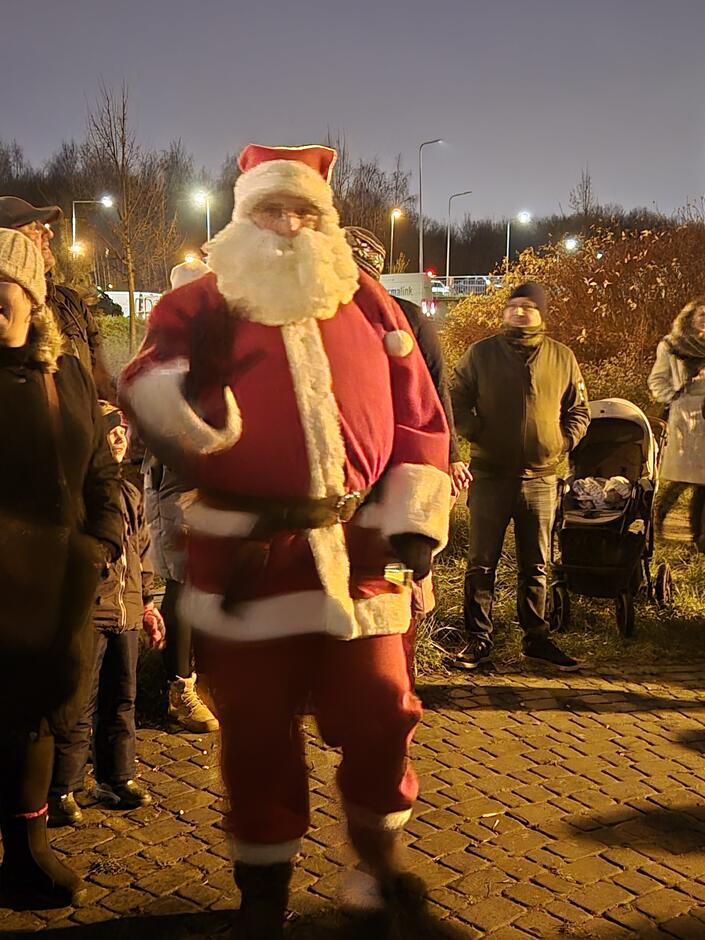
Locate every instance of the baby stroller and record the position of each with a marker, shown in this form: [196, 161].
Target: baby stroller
[607, 552]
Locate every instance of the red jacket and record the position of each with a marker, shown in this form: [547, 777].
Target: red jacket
[322, 407]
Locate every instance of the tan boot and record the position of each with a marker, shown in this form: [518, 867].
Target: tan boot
[186, 708]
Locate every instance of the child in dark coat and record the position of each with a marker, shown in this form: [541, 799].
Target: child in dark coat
[123, 605]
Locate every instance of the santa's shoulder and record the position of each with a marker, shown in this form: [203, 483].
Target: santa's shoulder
[197, 298]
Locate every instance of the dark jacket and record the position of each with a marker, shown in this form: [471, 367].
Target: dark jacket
[44, 672]
[81, 334]
[127, 584]
[427, 338]
[520, 414]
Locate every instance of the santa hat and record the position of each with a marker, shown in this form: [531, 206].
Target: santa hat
[187, 271]
[303, 172]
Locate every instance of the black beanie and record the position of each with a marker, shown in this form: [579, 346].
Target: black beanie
[534, 292]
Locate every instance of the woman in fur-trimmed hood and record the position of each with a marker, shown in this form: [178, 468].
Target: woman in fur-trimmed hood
[60, 521]
[677, 380]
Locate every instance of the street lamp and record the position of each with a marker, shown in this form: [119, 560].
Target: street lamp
[106, 201]
[426, 143]
[571, 243]
[523, 217]
[76, 249]
[395, 214]
[467, 192]
[202, 198]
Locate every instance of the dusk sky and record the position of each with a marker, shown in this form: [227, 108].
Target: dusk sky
[524, 92]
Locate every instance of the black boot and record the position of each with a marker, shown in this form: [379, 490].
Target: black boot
[264, 891]
[31, 876]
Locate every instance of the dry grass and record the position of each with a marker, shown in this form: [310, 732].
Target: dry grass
[661, 635]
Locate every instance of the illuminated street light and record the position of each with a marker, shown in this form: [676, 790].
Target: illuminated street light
[523, 217]
[571, 243]
[76, 249]
[395, 215]
[426, 143]
[202, 198]
[189, 258]
[106, 201]
[467, 192]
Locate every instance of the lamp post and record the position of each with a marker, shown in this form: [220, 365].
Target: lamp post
[524, 217]
[467, 192]
[426, 143]
[106, 201]
[395, 214]
[204, 199]
[571, 243]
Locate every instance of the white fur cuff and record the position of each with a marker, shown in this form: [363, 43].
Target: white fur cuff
[265, 854]
[164, 414]
[415, 498]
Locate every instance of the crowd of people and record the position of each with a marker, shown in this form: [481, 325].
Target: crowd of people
[301, 463]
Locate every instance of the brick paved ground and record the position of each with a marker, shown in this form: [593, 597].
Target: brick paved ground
[551, 808]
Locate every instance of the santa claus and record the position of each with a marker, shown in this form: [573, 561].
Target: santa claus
[285, 387]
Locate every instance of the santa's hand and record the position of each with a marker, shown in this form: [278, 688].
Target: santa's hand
[414, 551]
[153, 626]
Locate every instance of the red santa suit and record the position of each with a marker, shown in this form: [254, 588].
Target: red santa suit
[311, 439]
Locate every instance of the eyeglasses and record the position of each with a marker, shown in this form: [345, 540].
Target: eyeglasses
[274, 212]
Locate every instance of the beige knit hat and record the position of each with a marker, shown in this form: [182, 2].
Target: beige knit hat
[21, 261]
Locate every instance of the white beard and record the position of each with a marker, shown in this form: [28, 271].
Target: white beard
[276, 280]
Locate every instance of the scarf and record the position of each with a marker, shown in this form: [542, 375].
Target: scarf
[524, 340]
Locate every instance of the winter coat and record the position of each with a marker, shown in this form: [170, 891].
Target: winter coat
[127, 583]
[38, 680]
[519, 414]
[81, 334]
[164, 496]
[426, 335]
[683, 459]
[316, 410]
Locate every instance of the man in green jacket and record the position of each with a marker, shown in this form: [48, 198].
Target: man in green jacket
[520, 400]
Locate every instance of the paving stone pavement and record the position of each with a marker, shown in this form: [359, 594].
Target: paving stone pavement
[550, 807]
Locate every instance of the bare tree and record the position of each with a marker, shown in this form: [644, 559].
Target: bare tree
[583, 200]
[144, 237]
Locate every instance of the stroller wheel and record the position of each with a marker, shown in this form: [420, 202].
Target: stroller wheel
[624, 608]
[559, 616]
[663, 588]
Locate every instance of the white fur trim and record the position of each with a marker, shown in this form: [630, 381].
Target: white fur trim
[415, 498]
[398, 343]
[297, 614]
[218, 522]
[387, 822]
[263, 854]
[325, 449]
[289, 177]
[157, 399]
[186, 272]
[358, 890]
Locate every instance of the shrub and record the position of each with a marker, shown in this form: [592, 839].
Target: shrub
[611, 301]
[115, 334]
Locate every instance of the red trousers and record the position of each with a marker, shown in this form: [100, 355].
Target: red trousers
[360, 694]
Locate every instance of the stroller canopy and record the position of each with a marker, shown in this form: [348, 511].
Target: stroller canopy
[618, 431]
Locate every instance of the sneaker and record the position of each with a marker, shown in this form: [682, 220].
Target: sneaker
[475, 653]
[63, 810]
[544, 650]
[128, 795]
[186, 708]
[360, 891]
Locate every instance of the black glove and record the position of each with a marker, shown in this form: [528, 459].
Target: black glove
[414, 551]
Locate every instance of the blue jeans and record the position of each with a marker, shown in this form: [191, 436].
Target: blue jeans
[109, 714]
[493, 502]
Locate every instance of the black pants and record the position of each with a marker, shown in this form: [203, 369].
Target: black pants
[109, 714]
[177, 652]
[493, 502]
[669, 494]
